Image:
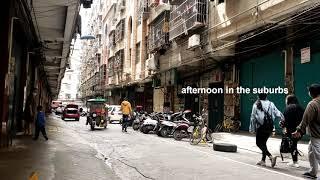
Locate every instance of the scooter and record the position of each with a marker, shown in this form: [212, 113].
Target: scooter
[151, 123]
[183, 130]
[167, 128]
[140, 117]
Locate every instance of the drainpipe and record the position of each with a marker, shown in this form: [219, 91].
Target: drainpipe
[285, 61]
[143, 49]
[134, 41]
[10, 41]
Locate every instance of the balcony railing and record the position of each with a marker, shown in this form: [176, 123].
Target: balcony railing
[159, 32]
[119, 34]
[143, 10]
[118, 61]
[189, 15]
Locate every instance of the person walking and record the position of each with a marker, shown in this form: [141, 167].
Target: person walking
[264, 112]
[311, 123]
[292, 117]
[40, 124]
[126, 111]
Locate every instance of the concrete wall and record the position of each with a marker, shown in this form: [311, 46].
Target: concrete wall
[229, 19]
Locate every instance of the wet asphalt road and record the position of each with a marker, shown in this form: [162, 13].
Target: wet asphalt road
[134, 155]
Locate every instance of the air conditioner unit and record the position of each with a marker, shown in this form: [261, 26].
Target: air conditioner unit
[151, 63]
[194, 41]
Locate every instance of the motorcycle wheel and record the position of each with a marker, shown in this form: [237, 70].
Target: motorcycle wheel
[144, 130]
[164, 132]
[177, 135]
[135, 127]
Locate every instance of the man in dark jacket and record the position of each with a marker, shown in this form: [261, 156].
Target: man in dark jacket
[311, 121]
[40, 124]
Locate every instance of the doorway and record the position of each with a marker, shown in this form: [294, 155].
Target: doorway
[216, 106]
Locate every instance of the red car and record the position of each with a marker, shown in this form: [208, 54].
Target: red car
[71, 111]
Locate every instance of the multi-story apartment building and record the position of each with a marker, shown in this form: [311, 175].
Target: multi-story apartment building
[153, 48]
[93, 69]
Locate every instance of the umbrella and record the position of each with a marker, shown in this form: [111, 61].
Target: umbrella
[87, 37]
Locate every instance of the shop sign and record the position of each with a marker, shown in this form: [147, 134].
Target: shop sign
[305, 55]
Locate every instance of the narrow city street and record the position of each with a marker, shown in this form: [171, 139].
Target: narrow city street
[134, 155]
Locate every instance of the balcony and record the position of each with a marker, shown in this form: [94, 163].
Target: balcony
[189, 15]
[119, 33]
[118, 61]
[143, 10]
[159, 32]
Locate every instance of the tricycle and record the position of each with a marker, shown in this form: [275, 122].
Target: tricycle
[97, 113]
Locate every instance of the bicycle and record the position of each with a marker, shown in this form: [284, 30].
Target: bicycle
[200, 131]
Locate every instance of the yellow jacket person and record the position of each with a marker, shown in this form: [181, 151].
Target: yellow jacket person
[126, 107]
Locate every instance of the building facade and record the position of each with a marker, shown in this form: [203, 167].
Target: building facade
[151, 49]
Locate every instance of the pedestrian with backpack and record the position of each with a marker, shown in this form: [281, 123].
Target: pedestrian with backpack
[292, 117]
[263, 114]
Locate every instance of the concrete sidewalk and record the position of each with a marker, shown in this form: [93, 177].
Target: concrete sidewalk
[65, 156]
[247, 141]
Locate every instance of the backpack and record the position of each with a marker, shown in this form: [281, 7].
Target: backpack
[267, 125]
[286, 145]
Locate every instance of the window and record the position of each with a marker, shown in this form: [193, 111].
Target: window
[137, 53]
[112, 42]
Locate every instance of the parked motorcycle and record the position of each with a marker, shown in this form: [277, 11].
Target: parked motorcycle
[170, 123]
[140, 117]
[183, 130]
[166, 128]
[151, 123]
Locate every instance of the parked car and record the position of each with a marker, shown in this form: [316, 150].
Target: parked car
[59, 110]
[115, 113]
[71, 111]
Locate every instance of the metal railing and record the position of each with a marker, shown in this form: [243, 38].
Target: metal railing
[159, 32]
[118, 60]
[119, 34]
[189, 15]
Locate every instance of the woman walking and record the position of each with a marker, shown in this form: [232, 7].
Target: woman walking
[292, 117]
[264, 112]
